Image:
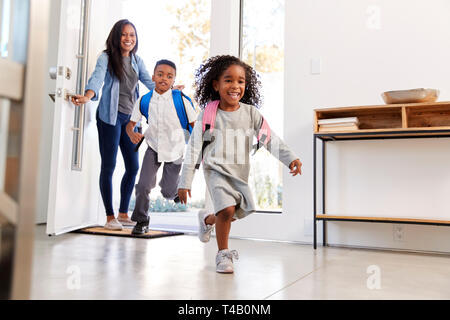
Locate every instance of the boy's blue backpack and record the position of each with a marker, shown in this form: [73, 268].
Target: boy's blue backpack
[177, 96]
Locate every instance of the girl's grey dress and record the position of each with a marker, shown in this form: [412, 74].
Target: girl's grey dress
[226, 160]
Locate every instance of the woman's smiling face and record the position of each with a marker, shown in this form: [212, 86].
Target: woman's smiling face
[231, 86]
[127, 39]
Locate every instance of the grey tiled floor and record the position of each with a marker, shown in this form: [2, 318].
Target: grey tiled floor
[75, 266]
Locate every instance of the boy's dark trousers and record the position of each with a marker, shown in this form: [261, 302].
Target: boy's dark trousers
[147, 181]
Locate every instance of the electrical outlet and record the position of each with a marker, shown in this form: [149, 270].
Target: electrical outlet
[399, 232]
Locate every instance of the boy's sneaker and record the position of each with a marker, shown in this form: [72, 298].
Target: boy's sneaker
[204, 230]
[140, 228]
[224, 260]
[113, 225]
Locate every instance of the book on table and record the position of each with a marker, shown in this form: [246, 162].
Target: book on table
[338, 128]
[349, 120]
[338, 124]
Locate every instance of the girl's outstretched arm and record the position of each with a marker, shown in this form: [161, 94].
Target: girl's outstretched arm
[277, 147]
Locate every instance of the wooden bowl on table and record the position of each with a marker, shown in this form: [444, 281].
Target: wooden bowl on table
[420, 95]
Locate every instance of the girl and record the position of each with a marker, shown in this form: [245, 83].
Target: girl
[230, 88]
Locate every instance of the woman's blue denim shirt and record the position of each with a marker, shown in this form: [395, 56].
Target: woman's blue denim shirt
[109, 102]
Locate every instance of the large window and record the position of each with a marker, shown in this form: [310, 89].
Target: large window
[178, 30]
[262, 47]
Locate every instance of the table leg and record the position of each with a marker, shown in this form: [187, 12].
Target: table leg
[314, 193]
[324, 223]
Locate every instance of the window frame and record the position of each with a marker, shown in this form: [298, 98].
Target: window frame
[240, 50]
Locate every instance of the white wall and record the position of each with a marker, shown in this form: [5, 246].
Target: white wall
[360, 61]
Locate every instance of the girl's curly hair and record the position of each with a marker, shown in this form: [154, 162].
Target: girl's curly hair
[212, 69]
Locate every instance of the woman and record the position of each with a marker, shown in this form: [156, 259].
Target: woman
[117, 73]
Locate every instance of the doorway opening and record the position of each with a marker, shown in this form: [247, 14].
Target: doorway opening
[178, 30]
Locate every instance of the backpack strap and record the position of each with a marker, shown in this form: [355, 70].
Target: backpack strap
[188, 99]
[192, 105]
[145, 104]
[264, 135]
[209, 116]
[177, 97]
[209, 119]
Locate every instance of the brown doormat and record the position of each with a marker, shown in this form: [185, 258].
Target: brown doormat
[126, 232]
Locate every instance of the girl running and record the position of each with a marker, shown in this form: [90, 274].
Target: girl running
[228, 91]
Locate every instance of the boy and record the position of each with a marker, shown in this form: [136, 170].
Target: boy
[165, 138]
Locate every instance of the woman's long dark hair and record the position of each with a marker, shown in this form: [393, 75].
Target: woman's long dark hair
[113, 48]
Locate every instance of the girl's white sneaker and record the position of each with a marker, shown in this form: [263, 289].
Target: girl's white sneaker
[204, 230]
[224, 260]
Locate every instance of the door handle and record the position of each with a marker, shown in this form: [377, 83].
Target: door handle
[63, 93]
[68, 95]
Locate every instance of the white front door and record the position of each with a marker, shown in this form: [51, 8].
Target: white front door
[74, 194]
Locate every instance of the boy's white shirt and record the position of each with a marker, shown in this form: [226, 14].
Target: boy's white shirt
[164, 133]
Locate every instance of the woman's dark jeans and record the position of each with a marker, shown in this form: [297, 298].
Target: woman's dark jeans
[110, 139]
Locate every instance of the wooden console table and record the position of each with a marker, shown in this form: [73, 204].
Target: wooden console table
[395, 121]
